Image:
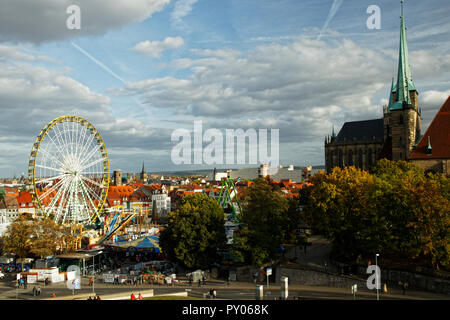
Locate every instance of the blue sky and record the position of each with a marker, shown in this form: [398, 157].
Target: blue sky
[231, 63]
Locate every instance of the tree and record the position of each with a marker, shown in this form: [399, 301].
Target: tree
[195, 231]
[18, 236]
[263, 221]
[397, 211]
[45, 235]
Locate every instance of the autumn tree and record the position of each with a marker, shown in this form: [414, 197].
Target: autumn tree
[195, 231]
[396, 210]
[45, 236]
[264, 224]
[18, 236]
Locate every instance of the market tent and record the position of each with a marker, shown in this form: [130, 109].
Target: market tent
[148, 243]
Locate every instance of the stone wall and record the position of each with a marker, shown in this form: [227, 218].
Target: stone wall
[437, 165]
[316, 278]
[414, 280]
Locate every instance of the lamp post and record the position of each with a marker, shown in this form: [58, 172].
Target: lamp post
[377, 276]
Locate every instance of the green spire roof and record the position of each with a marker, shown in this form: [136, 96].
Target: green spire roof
[404, 76]
[391, 96]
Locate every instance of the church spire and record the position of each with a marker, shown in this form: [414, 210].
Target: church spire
[404, 77]
[143, 170]
[391, 96]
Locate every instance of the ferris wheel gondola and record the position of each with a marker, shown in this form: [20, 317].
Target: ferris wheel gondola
[68, 171]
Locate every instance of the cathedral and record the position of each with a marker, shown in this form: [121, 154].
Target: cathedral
[396, 135]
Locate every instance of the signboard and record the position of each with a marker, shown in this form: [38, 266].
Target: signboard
[108, 278]
[269, 271]
[31, 278]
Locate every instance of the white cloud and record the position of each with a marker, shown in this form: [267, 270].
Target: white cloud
[182, 9]
[299, 76]
[155, 48]
[45, 20]
[31, 96]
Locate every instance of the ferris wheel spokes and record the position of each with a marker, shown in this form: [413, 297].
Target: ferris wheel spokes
[73, 166]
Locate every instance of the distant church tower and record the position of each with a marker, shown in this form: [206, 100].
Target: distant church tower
[143, 175]
[402, 117]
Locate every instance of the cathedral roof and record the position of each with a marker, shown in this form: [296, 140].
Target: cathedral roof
[362, 131]
[438, 134]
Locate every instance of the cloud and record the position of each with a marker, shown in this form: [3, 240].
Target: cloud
[155, 48]
[18, 53]
[430, 102]
[182, 9]
[333, 10]
[31, 96]
[45, 20]
[271, 80]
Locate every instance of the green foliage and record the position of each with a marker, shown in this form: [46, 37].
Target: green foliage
[397, 210]
[2, 194]
[268, 220]
[195, 231]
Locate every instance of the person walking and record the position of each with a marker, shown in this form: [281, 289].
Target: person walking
[214, 294]
[91, 281]
[404, 287]
[25, 284]
[140, 296]
[199, 283]
[38, 291]
[98, 298]
[133, 297]
[34, 291]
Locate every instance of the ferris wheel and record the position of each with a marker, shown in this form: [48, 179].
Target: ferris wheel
[68, 171]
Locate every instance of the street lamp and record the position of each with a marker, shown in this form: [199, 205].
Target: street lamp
[377, 276]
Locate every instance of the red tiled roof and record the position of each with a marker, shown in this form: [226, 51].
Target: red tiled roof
[137, 185]
[439, 133]
[118, 192]
[153, 187]
[25, 198]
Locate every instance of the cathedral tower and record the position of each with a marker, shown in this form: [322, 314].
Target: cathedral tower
[402, 119]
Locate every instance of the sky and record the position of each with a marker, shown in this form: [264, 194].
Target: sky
[140, 69]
